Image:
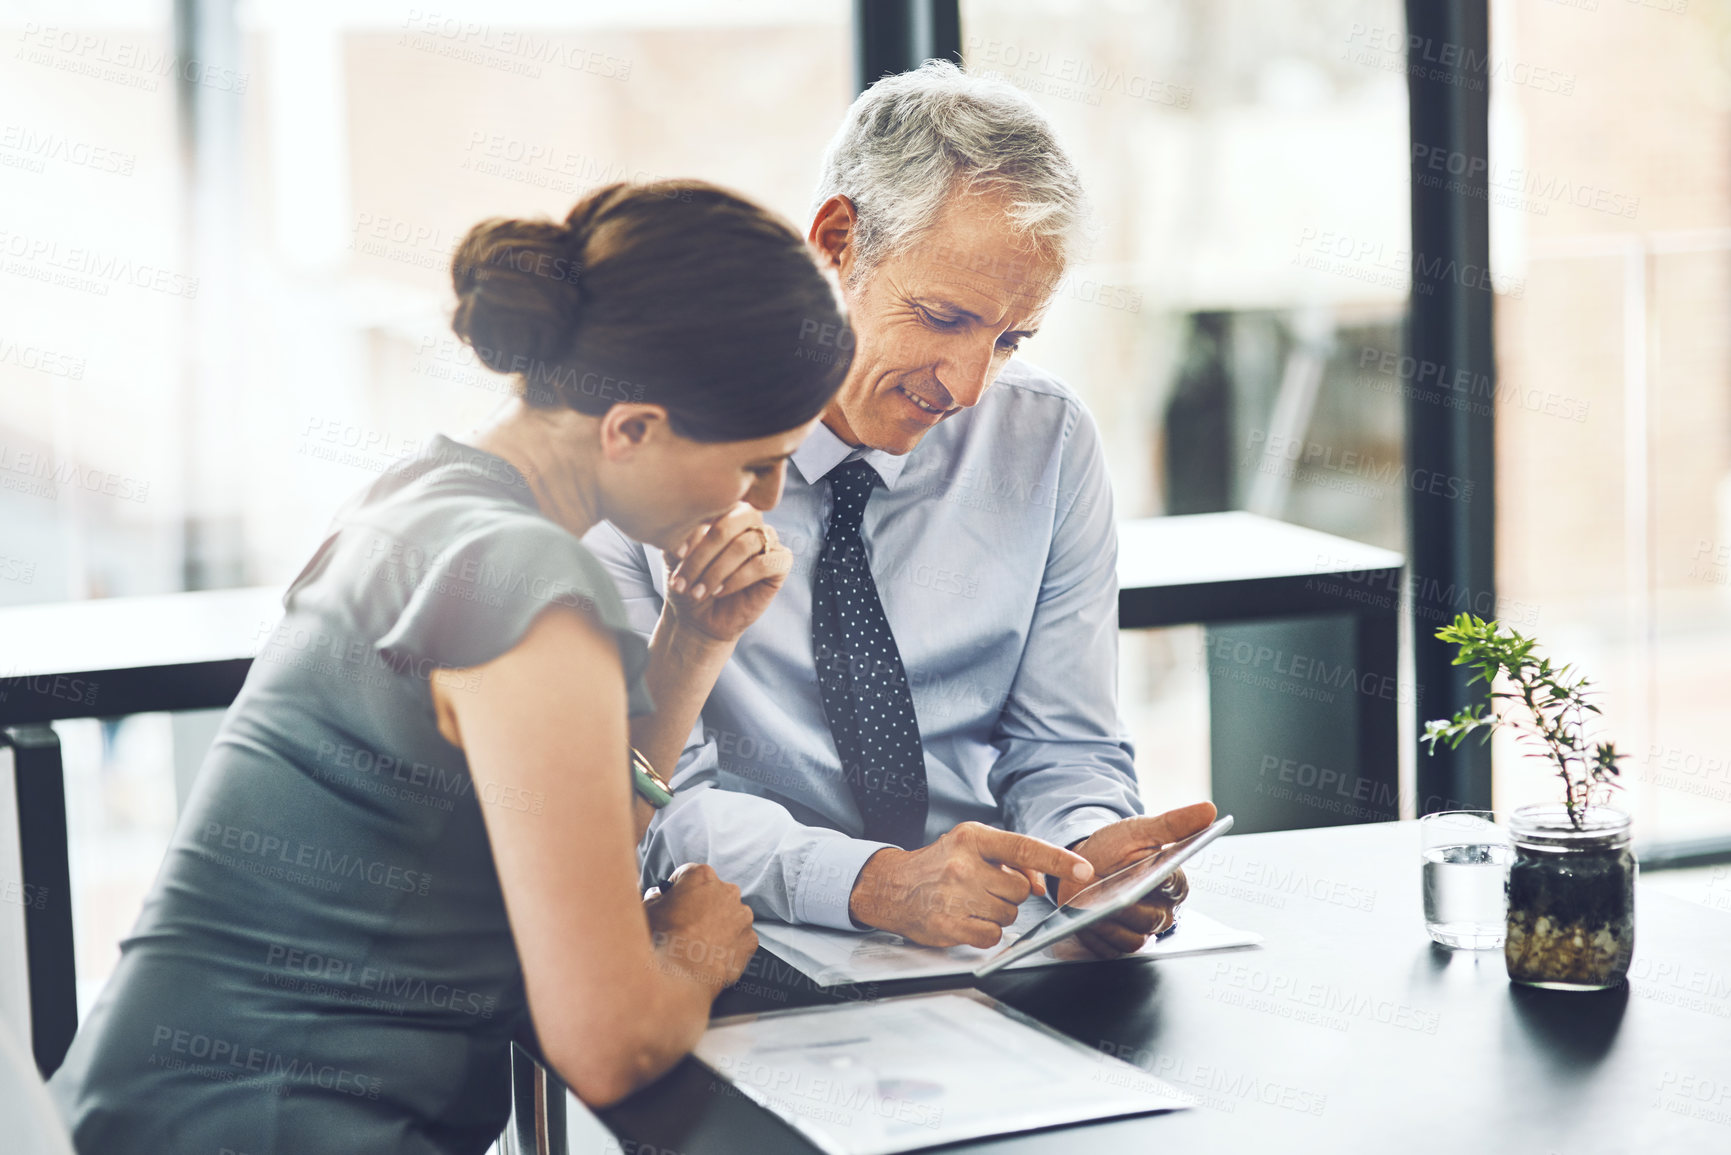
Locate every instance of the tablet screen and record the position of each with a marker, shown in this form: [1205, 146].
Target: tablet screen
[1114, 892]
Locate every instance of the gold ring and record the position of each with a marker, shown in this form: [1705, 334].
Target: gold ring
[763, 533]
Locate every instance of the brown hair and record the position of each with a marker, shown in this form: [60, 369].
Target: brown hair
[676, 293]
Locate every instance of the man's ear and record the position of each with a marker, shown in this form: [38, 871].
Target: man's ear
[628, 426]
[832, 232]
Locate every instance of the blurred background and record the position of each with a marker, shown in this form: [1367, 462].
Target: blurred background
[224, 304]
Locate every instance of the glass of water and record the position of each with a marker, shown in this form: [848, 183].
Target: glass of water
[1466, 878]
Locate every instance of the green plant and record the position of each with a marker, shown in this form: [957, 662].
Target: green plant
[1544, 705]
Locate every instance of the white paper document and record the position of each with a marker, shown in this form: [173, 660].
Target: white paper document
[833, 957]
[877, 1077]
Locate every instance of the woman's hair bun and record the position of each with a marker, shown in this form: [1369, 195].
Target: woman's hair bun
[674, 293]
[518, 296]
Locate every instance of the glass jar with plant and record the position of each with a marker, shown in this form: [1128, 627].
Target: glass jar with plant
[1572, 884]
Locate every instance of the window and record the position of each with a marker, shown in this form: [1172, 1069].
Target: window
[1610, 217]
[201, 360]
[1237, 330]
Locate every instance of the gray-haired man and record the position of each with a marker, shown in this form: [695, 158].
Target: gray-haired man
[925, 716]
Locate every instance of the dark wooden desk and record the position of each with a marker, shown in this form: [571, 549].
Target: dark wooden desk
[1348, 1032]
[189, 651]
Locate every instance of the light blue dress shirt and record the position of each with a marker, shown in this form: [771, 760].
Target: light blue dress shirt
[995, 553]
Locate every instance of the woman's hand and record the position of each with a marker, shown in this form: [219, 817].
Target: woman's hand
[719, 581]
[701, 929]
[726, 574]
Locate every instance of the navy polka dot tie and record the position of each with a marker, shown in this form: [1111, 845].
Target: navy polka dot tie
[865, 691]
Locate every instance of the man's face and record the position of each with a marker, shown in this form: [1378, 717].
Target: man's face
[935, 323]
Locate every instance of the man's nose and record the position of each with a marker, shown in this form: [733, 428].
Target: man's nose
[966, 374]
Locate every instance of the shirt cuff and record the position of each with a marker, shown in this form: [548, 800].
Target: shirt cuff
[1079, 823]
[826, 881]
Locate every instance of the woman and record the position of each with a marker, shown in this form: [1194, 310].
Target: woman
[414, 837]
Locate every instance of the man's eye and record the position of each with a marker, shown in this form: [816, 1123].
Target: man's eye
[1009, 344]
[936, 321]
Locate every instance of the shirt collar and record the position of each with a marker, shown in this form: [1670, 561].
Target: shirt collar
[822, 451]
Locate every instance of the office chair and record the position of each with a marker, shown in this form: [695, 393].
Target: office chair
[537, 1108]
[38, 996]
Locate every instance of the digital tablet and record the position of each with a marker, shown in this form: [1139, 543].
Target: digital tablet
[1105, 897]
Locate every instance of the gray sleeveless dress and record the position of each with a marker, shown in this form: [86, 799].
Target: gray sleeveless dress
[323, 963]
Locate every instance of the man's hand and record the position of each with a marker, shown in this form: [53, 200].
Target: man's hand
[963, 888]
[726, 574]
[1110, 849]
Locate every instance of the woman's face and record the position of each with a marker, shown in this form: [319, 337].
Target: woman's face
[661, 486]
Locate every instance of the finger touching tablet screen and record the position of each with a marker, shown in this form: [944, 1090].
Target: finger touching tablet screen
[1104, 898]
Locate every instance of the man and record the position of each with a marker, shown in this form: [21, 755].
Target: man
[921, 731]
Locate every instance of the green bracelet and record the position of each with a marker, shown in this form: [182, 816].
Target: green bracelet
[649, 785]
